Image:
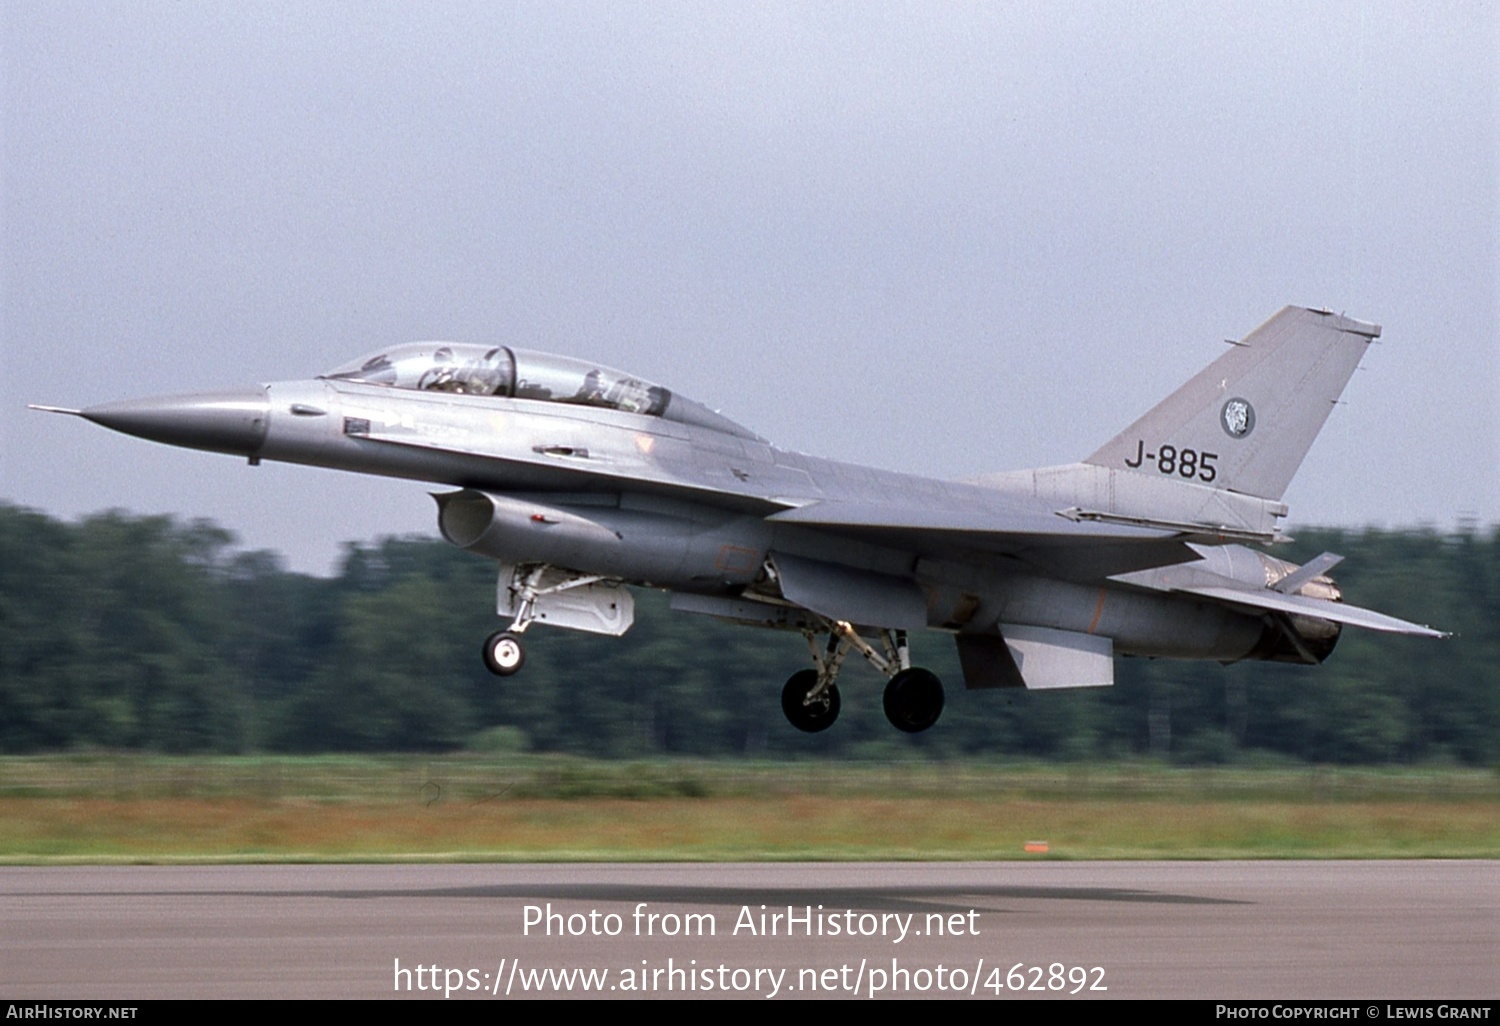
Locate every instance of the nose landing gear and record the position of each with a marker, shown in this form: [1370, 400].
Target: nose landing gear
[503, 654]
[586, 602]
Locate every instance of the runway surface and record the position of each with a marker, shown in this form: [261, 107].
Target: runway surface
[1269, 930]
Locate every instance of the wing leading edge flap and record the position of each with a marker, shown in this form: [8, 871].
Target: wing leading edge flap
[1076, 550]
[1014, 522]
[844, 593]
[1038, 658]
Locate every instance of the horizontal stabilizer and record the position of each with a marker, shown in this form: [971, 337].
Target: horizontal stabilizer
[1303, 605]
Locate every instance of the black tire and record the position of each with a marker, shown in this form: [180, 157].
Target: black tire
[812, 718]
[914, 700]
[503, 654]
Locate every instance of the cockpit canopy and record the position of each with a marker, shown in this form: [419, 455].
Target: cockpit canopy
[469, 369]
[513, 373]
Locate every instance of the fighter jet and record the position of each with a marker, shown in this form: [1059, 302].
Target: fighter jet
[579, 480]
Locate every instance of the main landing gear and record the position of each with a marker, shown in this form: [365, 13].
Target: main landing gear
[808, 708]
[913, 696]
[913, 699]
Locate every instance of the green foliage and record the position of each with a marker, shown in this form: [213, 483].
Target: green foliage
[148, 634]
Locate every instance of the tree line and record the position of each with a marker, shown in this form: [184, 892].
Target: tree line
[149, 633]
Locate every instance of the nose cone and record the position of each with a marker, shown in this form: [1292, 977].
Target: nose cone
[232, 422]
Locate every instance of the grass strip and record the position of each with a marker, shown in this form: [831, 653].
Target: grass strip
[105, 808]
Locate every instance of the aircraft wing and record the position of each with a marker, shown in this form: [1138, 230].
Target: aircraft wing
[1075, 550]
[1034, 535]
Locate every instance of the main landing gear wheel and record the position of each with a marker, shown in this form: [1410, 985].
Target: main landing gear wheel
[503, 654]
[810, 717]
[914, 700]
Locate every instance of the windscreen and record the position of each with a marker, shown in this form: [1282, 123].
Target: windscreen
[435, 367]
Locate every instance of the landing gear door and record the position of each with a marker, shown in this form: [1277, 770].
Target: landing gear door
[563, 599]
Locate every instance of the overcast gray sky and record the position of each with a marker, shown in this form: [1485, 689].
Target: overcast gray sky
[942, 238]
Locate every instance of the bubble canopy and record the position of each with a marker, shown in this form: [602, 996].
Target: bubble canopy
[470, 369]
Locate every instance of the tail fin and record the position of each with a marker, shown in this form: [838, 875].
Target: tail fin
[1247, 420]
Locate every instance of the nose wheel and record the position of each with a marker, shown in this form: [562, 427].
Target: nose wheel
[503, 654]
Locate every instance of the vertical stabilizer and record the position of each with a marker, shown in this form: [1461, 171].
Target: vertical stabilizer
[1245, 422]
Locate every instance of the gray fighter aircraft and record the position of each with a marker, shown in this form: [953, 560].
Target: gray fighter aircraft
[578, 479]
